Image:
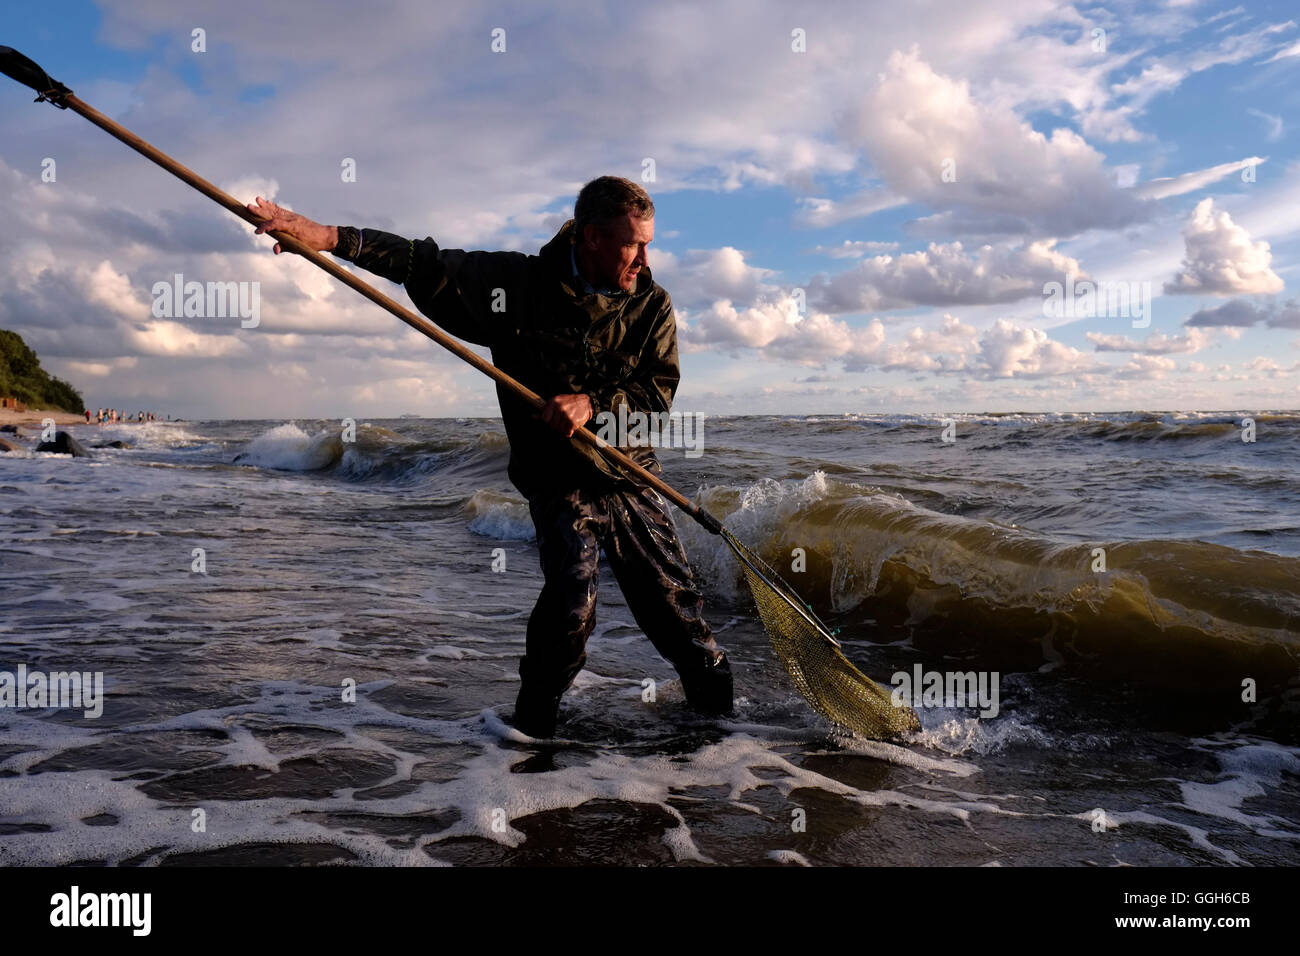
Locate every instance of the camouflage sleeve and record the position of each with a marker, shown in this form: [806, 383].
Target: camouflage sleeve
[466, 293]
[651, 386]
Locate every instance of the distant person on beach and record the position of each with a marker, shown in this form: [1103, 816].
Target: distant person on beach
[585, 324]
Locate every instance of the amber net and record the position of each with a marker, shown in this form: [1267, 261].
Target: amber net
[832, 685]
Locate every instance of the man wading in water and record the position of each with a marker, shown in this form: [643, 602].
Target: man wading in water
[583, 322]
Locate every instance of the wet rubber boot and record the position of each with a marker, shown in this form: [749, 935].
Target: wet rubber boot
[709, 689]
[535, 717]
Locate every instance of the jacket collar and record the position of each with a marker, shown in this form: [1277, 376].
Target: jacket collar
[581, 280]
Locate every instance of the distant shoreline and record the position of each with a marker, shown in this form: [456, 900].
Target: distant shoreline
[34, 416]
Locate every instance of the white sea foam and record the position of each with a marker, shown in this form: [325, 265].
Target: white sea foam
[1249, 770]
[482, 793]
[954, 732]
[139, 435]
[762, 509]
[788, 856]
[288, 448]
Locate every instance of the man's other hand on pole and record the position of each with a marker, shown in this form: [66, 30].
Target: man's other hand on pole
[567, 413]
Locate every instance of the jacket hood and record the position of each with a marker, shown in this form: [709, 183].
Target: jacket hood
[556, 254]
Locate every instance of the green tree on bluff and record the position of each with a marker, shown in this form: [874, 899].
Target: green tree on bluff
[22, 377]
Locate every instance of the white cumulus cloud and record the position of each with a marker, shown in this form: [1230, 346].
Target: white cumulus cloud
[1221, 258]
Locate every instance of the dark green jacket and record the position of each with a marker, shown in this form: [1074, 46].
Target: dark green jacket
[545, 331]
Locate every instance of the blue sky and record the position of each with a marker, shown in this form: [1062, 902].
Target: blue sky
[867, 224]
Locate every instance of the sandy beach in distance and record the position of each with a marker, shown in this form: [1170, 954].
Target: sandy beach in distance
[34, 416]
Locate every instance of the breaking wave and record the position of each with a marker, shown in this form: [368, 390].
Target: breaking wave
[1171, 611]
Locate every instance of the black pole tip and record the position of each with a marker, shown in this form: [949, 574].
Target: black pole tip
[27, 72]
[710, 523]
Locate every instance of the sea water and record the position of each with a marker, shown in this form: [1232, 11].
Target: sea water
[309, 646]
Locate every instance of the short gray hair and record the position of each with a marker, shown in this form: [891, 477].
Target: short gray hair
[603, 200]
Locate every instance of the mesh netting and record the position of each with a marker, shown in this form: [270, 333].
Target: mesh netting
[836, 689]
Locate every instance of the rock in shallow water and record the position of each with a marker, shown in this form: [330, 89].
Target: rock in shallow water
[65, 444]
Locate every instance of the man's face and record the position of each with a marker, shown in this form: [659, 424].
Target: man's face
[617, 254]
